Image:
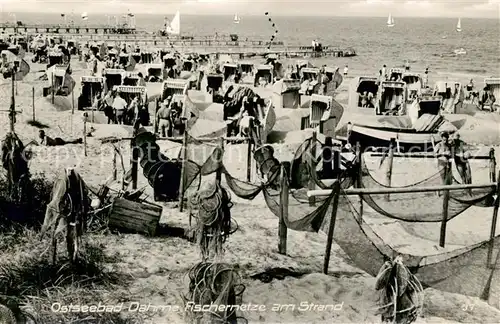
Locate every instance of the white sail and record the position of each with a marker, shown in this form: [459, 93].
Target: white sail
[390, 21]
[175, 25]
[236, 19]
[459, 25]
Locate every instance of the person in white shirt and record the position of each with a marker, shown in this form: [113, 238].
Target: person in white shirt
[346, 70]
[120, 107]
[384, 72]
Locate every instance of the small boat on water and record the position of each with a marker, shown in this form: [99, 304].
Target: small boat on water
[175, 25]
[390, 21]
[236, 19]
[460, 51]
[459, 25]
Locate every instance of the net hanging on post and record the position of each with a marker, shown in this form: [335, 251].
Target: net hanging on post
[402, 206]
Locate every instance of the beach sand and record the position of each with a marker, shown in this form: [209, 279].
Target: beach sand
[159, 265]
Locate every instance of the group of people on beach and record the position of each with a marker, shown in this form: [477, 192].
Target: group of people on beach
[452, 148]
[169, 118]
[118, 111]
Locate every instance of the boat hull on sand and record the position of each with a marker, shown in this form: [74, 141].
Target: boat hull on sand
[462, 271]
[407, 140]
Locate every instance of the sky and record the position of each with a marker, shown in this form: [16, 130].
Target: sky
[375, 8]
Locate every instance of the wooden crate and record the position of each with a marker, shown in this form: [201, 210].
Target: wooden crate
[134, 216]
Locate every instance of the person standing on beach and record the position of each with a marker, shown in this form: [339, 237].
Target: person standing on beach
[442, 150]
[426, 78]
[119, 105]
[407, 65]
[346, 70]
[461, 158]
[384, 72]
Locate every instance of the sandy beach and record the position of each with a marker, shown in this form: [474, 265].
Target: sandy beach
[156, 267]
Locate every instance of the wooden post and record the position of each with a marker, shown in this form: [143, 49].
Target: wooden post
[72, 102]
[446, 200]
[312, 167]
[33, 101]
[331, 229]
[155, 118]
[494, 226]
[282, 229]
[493, 165]
[249, 159]
[183, 168]
[92, 103]
[390, 160]
[53, 90]
[85, 115]
[135, 156]
[218, 174]
[115, 171]
[13, 102]
[359, 176]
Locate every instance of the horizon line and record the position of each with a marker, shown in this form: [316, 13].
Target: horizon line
[257, 15]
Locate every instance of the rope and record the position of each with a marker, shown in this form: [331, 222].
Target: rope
[215, 283]
[273, 25]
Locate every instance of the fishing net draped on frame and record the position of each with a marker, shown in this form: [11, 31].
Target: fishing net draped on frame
[303, 216]
[463, 270]
[423, 206]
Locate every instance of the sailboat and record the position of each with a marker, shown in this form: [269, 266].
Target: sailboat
[390, 21]
[236, 19]
[461, 50]
[175, 25]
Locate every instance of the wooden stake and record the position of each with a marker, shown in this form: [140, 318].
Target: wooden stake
[13, 102]
[282, 229]
[331, 229]
[72, 102]
[53, 90]
[92, 103]
[249, 160]
[115, 171]
[493, 165]
[135, 157]
[494, 226]
[218, 173]
[359, 176]
[183, 168]
[446, 200]
[33, 101]
[85, 115]
[390, 160]
[312, 166]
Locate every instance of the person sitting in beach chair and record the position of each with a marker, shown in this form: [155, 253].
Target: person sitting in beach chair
[371, 100]
[244, 124]
[364, 99]
[49, 141]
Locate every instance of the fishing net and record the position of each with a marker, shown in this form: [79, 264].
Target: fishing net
[463, 271]
[430, 204]
[308, 214]
[214, 294]
[15, 162]
[213, 219]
